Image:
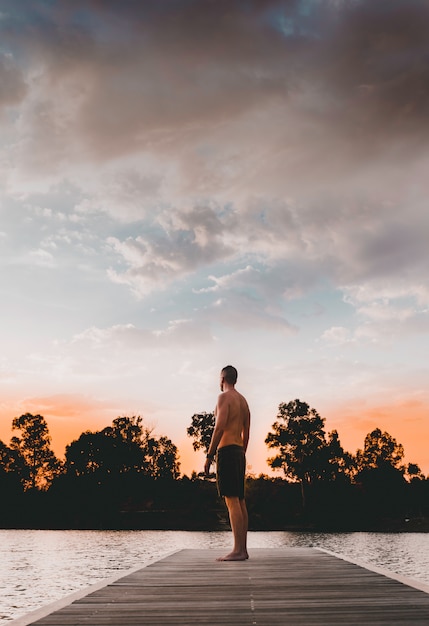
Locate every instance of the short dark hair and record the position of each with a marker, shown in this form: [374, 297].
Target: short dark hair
[230, 374]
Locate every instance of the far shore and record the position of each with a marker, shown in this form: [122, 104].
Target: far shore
[159, 522]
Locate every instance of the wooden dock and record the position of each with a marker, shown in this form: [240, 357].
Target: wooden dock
[290, 586]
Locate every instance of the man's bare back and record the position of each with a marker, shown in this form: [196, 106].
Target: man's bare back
[231, 437]
[236, 421]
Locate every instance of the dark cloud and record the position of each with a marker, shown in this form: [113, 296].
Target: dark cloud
[12, 84]
[374, 63]
[144, 70]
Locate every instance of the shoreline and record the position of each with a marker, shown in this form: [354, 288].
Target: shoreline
[417, 525]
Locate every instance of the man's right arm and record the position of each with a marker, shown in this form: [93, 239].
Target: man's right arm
[222, 410]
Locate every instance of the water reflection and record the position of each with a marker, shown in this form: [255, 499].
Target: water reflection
[38, 567]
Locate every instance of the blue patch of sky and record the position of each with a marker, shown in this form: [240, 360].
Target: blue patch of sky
[122, 230]
[86, 18]
[296, 20]
[25, 12]
[223, 211]
[195, 293]
[53, 213]
[18, 56]
[23, 231]
[72, 292]
[109, 24]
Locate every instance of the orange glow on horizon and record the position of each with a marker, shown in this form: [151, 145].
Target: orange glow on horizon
[68, 416]
[407, 421]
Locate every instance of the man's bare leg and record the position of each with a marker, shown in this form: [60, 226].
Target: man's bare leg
[245, 524]
[239, 521]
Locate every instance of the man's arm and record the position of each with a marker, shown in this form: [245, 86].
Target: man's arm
[222, 411]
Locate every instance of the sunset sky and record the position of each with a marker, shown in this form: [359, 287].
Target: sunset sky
[191, 183]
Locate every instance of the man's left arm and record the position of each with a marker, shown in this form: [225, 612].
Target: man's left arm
[221, 420]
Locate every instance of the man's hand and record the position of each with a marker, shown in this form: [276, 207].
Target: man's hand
[207, 466]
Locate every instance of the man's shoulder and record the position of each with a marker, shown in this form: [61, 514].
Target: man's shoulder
[231, 395]
[225, 395]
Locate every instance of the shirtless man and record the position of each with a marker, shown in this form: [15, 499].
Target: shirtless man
[230, 438]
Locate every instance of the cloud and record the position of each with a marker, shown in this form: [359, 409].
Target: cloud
[337, 335]
[390, 310]
[13, 87]
[40, 258]
[398, 325]
[180, 332]
[189, 178]
[269, 135]
[186, 331]
[180, 243]
[242, 276]
[125, 193]
[242, 312]
[147, 77]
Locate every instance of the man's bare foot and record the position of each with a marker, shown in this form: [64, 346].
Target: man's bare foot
[234, 556]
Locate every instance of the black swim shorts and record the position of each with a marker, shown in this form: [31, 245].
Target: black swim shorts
[231, 465]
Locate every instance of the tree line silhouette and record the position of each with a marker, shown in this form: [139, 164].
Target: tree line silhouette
[126, 477]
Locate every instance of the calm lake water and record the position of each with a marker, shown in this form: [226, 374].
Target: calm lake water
[38, 567]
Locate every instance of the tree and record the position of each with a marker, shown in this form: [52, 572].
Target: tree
[94, 453]
[201, 430]
[11, 460]
[123, 448]
[33, 458]
[340, 464]
[163, 458]
[129, 438]
[10, 487]
[12, 465]
[414, 472]
[129, 429]
[299, 436]
[380, 450]
[37, 464]
[380, 473]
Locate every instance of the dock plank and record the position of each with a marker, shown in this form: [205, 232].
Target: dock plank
[293, 586]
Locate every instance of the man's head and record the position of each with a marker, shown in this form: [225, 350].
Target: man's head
[229, 375]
